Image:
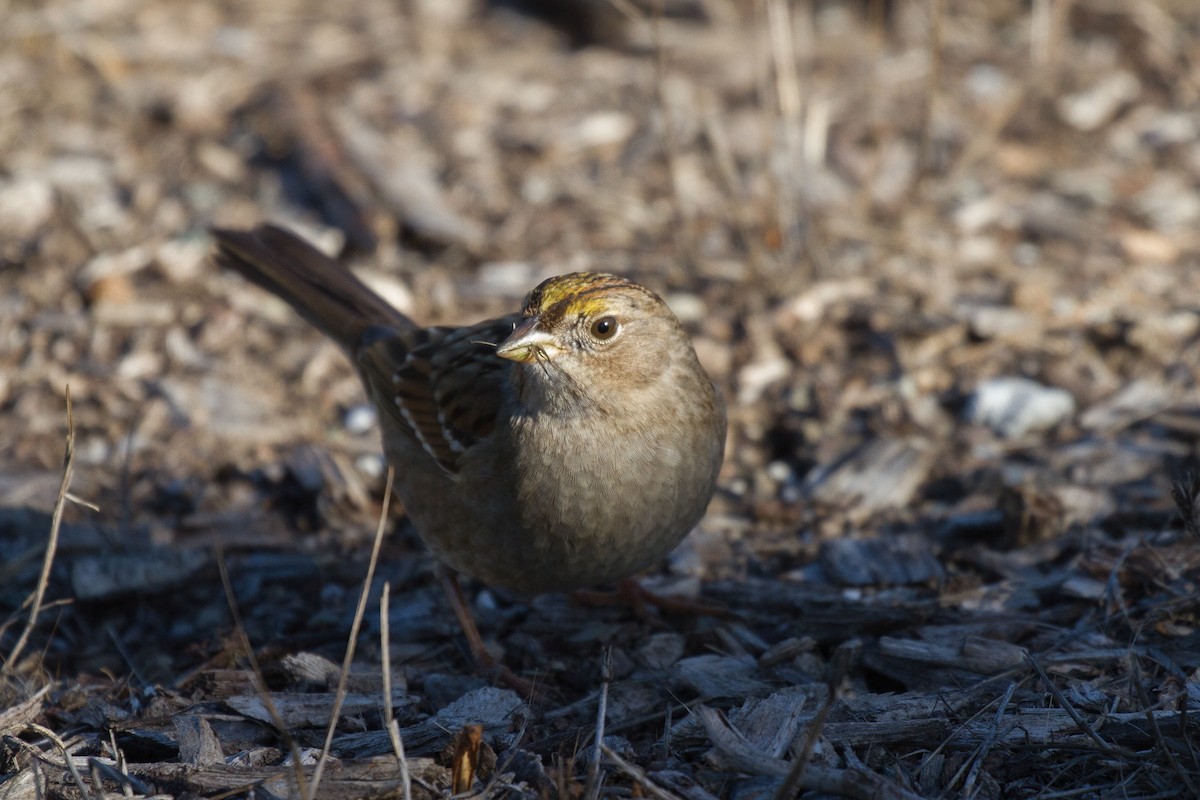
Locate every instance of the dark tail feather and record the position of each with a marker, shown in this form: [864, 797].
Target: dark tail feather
[321, 290]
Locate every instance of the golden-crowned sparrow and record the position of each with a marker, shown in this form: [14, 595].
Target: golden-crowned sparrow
[572, 444]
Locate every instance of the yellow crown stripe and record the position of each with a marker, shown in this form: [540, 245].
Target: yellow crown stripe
[579, 292]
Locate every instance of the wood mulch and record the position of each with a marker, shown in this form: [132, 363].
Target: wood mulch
[942, 258]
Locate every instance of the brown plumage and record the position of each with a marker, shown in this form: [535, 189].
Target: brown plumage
[578, 450]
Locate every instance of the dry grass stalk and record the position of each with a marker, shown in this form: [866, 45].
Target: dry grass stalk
[789, 98]
[1185, 491]
[68, 762]
[60, 503]
[389, 721]
[593, 781]
[352, 639]
[1076, 717]
[638, 774]
[794, 779]
[1165, 747]
[975, 763]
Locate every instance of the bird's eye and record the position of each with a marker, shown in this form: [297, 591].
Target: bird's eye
[604, 328]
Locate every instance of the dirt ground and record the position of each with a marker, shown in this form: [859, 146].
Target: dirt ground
[941, 257]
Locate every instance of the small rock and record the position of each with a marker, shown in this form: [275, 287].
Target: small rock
[220, 161]
[1142, 245]
[371, 465]
[181, 260]
[181, 350]
[26, 204]
[1013, 406]
[599, 129]
[1169, 203]
[687, 306]
[111, 266]
[390, 289]
[360, 419]
[1088, 110]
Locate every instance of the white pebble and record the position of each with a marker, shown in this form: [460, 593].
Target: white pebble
[1013, 406]
[360, 419]
[370, 464]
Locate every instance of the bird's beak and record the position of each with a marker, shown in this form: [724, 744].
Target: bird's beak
[527, 343]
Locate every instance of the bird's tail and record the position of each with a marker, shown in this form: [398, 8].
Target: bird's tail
[324, 292]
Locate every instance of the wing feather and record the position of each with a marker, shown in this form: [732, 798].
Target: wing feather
[446, 384]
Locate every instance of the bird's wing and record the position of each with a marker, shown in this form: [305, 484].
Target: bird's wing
[442, 387]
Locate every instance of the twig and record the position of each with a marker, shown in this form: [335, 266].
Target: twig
[572, 708]
[352, 640]
[39, 593]
[69, 762]
[1135, 677]
[1112, 588]
[79, 501]
[985, 747]
[637, 773]
[736, 750]
[668, 724]
[1074, 714]
[120, 765]
[627, 8]
[952, 711]
[837, 672]
[115, 773]
[1185, 491]
[593, 782]
[124, 653]
[389, 722]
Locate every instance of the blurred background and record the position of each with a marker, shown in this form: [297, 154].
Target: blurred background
[863, 210]
[940, 256]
